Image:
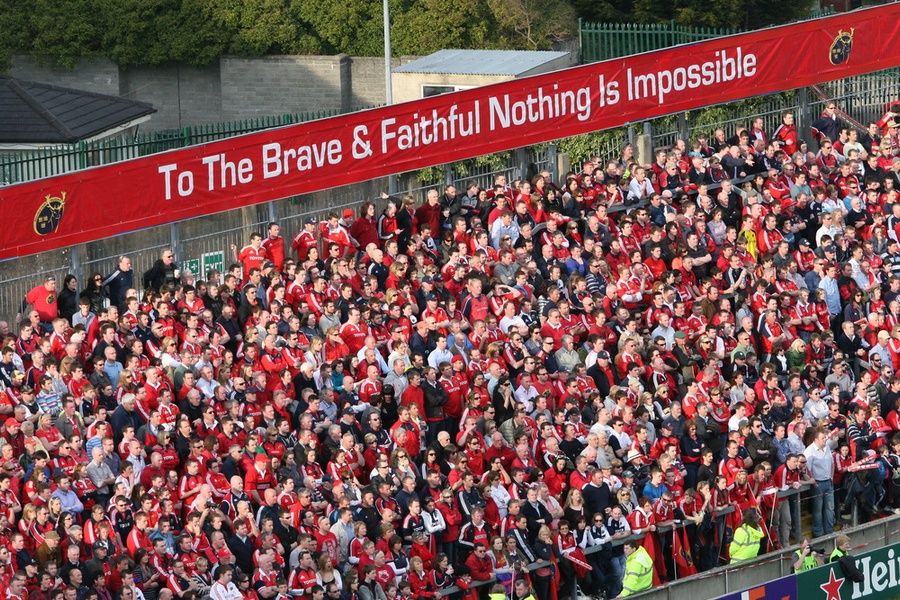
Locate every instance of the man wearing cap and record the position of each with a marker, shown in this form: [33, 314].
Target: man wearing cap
[305, 240]
[13, 435]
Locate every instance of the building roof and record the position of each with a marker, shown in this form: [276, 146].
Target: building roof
[37, 113]
[481, 62]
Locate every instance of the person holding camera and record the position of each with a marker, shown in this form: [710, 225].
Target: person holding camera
[807, 557]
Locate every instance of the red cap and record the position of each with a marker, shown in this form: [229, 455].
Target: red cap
[457, 359]
[261, 458]
[348, 213]
[11, 422]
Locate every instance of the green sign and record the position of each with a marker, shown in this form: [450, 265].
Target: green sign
[192, 266]
[881, 569]
[213, 260]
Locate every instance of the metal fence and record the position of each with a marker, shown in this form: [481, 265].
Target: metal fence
[512, 165]
[35, 164]
[862, 99]
[734, 578]
[602, 41]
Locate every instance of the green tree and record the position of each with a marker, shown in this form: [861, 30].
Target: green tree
[616, 11]
[15, 25]
[153, 32]
[527, 26]
[63, 32]
[426, 26]
[260, 27]
[351, 27]
[744, 14]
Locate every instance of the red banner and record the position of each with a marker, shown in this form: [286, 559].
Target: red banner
[162, 188]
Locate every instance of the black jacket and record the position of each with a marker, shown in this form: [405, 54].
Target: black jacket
[243, 552]
[534, 516]
[435, 399]
[117, 284]
[159, 275]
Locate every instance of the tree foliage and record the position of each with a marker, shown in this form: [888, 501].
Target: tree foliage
[196, 32]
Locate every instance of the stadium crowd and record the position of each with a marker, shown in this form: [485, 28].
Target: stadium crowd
[497, 382]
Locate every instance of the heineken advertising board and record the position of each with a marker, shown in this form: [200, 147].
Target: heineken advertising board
[777, 589]
[881, 569]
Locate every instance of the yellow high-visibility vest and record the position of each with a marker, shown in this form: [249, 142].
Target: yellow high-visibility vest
[638, 572]
[745, 544]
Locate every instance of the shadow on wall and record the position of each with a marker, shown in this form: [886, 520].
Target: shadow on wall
[233, 88]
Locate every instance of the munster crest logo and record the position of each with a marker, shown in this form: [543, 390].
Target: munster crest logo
[839, 53]
[49, 214]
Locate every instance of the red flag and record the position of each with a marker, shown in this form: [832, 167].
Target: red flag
[681, 549]
[554, 584]
[579, 562]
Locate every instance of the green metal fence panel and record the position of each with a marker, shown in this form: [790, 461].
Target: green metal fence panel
[603, 41]
[35, 164]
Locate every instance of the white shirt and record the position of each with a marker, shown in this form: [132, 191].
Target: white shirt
[818, 462]
[501, 497]
[225, 592]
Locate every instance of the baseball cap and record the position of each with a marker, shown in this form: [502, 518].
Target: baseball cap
[740, 356]
[828, 248]
[603, 354]
[804, 242]
[309, 221]
[680, 335]
[628, 473]
[348, 213]
[11, 422]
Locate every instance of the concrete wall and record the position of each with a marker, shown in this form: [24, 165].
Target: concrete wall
[99, 76]
[182, 95]
[408, 86]
[284, 84]
[233, 88]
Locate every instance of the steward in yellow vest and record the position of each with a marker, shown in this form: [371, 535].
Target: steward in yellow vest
[745, 544]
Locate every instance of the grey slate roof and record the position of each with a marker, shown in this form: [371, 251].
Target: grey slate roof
[37, 113]
[480, 62]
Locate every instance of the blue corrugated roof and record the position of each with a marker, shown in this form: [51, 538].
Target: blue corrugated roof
[480, 62]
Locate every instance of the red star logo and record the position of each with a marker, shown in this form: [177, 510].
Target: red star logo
[833, 587]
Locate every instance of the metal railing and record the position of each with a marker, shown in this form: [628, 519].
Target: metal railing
[732, 578]
[602, 41]
[864, 98]
[517, 165]
[28, 165]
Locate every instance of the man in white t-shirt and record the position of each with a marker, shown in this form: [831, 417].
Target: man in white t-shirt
[224, 588]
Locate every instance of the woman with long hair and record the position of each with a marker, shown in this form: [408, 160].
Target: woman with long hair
[327, 574]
